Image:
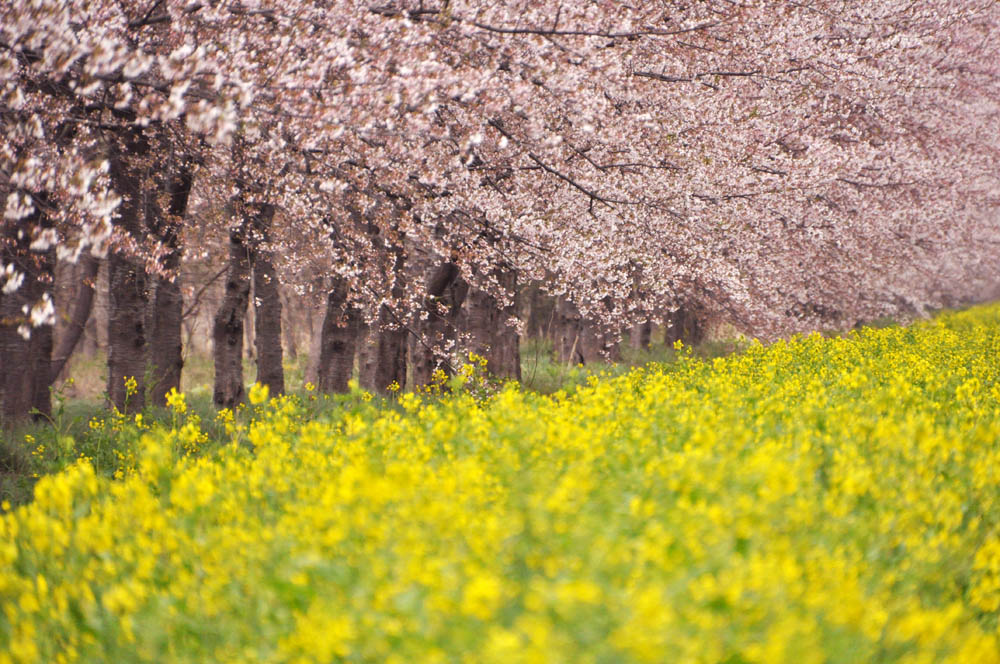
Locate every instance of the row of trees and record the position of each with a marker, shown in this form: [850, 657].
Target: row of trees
[785, 165]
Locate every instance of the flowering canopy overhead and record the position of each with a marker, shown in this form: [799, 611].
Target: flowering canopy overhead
[785, 162]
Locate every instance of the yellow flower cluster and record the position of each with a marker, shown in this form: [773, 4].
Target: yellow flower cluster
[814, 501]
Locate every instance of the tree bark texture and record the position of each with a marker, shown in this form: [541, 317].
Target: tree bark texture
[127, 297]
[387, 338]
[166, 358]
[24, 363]
[128, 284]
[390, 353]
[250, 323]
[267, 307]
[227, 329]
[40, 358]
[165, 348]
[339, 340]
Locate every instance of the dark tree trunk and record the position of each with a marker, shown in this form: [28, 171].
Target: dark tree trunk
[227, 329]
[25, 364]
[14, 373]
[40, 357]
[127, 298]
[446, 291]
[490, 335]
[80, 317]
[387, 339]
[128, 287]
[684, 325]
[250, 324]
[339, 340]
[165, 348]
[267, 326]
[21, 358]
[267, 308]
[390, 353]
[609, 348]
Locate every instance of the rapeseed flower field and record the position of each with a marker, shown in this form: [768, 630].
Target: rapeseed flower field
[822, 500]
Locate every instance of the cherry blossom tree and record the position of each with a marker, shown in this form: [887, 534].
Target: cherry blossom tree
[783, 165]
[90, 93]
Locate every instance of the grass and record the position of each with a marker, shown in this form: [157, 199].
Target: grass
[542, 372]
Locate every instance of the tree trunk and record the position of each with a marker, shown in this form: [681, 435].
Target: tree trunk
[568, 332]
[368, 335]
[607, 344]
[446, 291]
[127, 297]
[510, 339]
[582, 341]
[128, 288]
[684, 325]
[14, 373]
[165, 348]
[21, 359]
[339, 340]
[507, 340]
[642, 334]
[79, 318]
[40, 357]
[227, 329]
[267, 308]
[314, 322]
[390, 354]
[25, 364]
[390, 336]
[540, 312]
[102, 308]
[490, 335]
[250, 324]
[89, 344]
